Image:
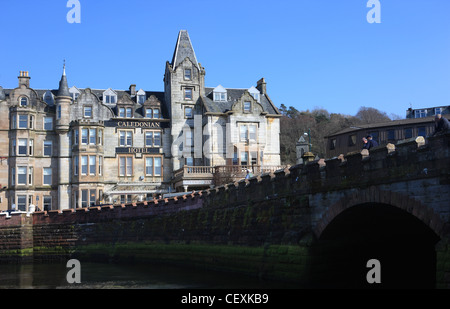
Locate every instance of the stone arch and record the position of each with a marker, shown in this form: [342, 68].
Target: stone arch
[375, 195]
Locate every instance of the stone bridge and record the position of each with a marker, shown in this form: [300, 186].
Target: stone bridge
[316, 224]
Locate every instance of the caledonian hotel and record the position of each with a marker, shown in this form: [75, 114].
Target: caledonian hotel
[68, 147]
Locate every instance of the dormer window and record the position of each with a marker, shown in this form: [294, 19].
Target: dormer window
[48, 97]
[255, 93]
[74, 93]
[220, 94]
[141, 97]
[187, 74]
[109, 97]
[23, 101]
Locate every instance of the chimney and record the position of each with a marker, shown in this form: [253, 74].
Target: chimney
[133, 90]
[261, 85]
[24, 79]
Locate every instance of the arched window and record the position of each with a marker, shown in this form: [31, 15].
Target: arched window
[23, 101]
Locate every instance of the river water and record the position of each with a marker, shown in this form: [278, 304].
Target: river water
[118, 276]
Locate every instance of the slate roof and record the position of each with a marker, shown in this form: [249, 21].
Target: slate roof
[232, 96]
[183, 49]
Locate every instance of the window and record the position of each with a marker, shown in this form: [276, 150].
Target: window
[59, 112]
[122, 112]
[125, 138]
[30, 176]
[76, 165]
[189, 161]
[100, 165]
[188, 112]
[22, 202]
[156, 113]
[254, 157]
[153, 166]
[92, 197]
[129, 198]
[30, 142]
[92, 165]
[244, 158]
[157, 139]
[149, 113]
[252, 132]
[129, 113]
[47, 203]
[48, 148]
[87, 112]
[125, 166]
[48, 123]
[187, 74]
[122, 199]
[100, 137]
[391, 135]
[188, 93]
[92, 136]
[22, 175]
[22, 147]
[420, 113]
[408, 133]
[75, 136]
[84, 198]
[31, 121]
[13, 148]
[421, 131]
[84, 136]
[149, 139]
[84, 165]
[352, 140]
[23, 102]
[110, 99]
[243, 133]
[47, 176]
[23, 122]
[220, 96]
[141, 99]
[333, 144]
[247, 107]
[437, 110]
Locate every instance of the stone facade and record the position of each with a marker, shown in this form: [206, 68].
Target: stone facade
[69, 148]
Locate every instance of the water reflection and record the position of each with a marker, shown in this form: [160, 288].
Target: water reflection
[114, 276]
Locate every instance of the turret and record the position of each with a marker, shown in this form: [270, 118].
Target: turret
[62, 102]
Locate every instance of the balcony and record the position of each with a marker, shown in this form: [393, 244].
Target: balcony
[203, 177]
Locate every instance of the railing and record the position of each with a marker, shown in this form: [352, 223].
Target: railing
[223, 174]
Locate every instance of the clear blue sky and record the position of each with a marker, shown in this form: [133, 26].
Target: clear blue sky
[313, 53]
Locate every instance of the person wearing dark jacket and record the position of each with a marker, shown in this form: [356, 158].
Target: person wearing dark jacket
[371, 142]
[441, 124]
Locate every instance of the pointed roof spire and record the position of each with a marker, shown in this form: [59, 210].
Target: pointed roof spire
[63, 90]
[183, 49]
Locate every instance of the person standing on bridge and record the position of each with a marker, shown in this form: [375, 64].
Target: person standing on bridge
[371, 142]
[441, 124]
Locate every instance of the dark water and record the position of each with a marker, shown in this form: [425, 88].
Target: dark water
[116, 276]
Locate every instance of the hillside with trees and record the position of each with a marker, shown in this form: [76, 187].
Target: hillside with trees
[321, 123]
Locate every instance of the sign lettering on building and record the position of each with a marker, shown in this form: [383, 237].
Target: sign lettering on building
[128, 150]
[136, 124]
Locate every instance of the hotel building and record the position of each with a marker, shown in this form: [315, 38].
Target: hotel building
[69, 147]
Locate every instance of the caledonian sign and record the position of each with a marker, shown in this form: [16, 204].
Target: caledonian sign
[137, 124]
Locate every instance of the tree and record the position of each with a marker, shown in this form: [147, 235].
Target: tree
[371, 115]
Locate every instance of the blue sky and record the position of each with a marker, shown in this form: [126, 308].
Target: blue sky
[312, 53]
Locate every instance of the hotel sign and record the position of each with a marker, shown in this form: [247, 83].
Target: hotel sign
[136, 124]
[130, 150]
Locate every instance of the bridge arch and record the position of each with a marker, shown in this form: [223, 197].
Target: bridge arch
[374, 195]
[399, 231]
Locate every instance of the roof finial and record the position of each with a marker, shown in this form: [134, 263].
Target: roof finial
[64, 68]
